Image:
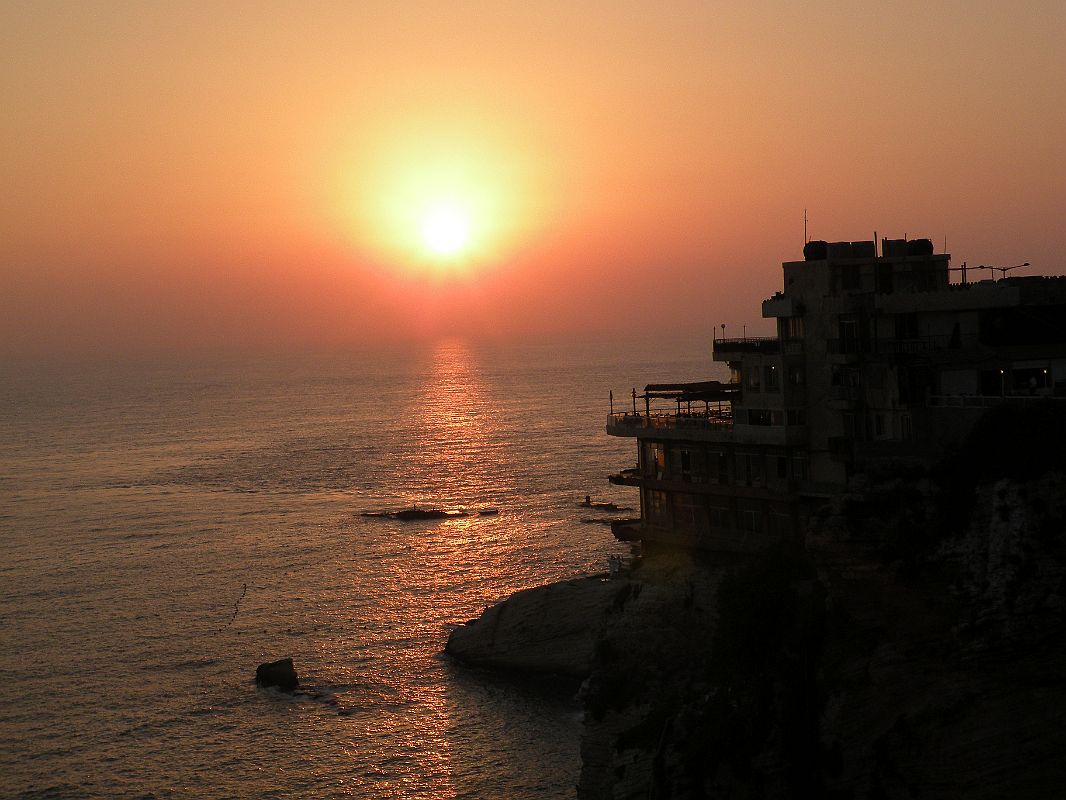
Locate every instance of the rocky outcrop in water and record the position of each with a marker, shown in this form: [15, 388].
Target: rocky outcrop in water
[548, 629]
[281, 674]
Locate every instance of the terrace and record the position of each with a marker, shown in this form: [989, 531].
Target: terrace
[684, 408]
[762, 345]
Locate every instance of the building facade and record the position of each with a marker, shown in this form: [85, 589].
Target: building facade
[880, 357]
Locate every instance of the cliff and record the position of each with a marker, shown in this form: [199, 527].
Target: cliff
[914, 647]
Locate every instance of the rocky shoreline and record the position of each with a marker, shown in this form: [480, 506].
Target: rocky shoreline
[549, 629]
[914, 645]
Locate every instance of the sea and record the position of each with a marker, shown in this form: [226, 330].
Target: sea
[168, 524]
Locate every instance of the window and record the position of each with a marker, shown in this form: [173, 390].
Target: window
[795, 375]
[782, 467]
[906, 326]
[782, 523]
[796, 416]
[849, 335]
[772, 384]
[884, 278]
[689, 513]
[717, 467]
[751, 521]
[794, 328]
[879, 425]
[654, 460]
[655, 507]
[850, 277]
[759, 416]
[799, 466]
[749, 469]
[753, 379]
[720, 518]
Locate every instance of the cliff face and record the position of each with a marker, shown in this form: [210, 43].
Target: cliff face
[914, 647]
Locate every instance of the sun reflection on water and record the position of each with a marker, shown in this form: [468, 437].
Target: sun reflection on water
[457, 425]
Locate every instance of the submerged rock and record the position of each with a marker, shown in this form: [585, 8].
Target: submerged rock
[547, 629]
[281, 674]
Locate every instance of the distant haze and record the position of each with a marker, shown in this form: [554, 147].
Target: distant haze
[187, 177]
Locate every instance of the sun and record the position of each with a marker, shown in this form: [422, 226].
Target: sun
[447, 197]
[445, 230]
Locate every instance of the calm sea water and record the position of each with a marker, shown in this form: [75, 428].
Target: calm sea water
[164, 528]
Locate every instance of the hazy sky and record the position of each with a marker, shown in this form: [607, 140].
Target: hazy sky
[190, 176]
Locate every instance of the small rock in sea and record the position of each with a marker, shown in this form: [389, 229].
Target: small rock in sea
[277, 673]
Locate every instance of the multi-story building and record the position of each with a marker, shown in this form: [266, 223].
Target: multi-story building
[880, 357]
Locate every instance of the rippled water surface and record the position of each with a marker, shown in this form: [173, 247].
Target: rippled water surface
[165, 528]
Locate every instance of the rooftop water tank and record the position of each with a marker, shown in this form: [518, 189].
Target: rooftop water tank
[919, 247]
[815, 250]
[840, 250]
[862, 250]
[894, 248]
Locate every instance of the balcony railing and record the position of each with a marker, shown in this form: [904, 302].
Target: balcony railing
[987, 401]
[764, 345]
[695, 420]
[910, 346]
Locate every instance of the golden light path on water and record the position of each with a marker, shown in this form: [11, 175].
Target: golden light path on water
[195, 489]
[458, 433]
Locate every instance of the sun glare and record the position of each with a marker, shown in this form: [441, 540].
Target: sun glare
[441, 198]
[445, 230]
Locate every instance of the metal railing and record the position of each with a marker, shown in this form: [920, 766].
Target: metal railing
[986, 401]
[748, 344]
[698, 420]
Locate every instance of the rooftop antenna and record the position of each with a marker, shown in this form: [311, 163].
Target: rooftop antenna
[805, 239]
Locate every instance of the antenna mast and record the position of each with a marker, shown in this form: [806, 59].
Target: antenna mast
[805, 227]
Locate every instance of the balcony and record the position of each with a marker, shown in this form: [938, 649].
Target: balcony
[989, 401]
[627, 530]
[672, 425]
[778, 306]
[844, 347]
[627, 477]
[761, 345]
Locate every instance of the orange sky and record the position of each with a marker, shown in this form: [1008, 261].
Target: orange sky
[198, 176]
